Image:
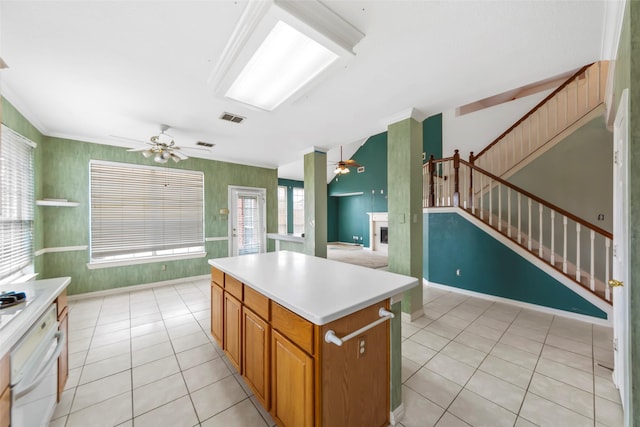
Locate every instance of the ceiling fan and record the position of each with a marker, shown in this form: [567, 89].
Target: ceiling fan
[162, 147]
[342, 167]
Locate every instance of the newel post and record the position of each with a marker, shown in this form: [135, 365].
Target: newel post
[432, 172]
[456, 179]
[472, 159]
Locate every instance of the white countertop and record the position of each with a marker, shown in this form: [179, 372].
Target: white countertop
[16, 320]
[286, 237]
[318, 289]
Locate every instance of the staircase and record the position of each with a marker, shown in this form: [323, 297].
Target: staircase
[574, 103]
[579, 250]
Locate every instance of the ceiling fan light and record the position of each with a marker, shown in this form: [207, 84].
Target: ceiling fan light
[147, 153]
[159, 158]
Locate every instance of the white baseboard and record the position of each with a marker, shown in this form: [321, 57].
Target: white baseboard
[134, 288]
[396, 415]
[540, 308]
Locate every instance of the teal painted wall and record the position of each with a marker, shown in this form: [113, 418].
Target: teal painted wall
[432, 137]
[487, 266]
[332, 222]
[347, 217]
[290, 184]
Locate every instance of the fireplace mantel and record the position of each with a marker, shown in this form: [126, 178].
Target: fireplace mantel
[377, 220]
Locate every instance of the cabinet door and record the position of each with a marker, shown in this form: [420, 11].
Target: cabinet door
[233, 330]
[217, 307]
[255, 355]
[292, 398]
[5, 407]
[63, 359]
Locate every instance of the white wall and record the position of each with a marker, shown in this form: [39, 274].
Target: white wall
[474, 131]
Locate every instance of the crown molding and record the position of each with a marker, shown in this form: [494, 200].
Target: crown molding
[23, 109]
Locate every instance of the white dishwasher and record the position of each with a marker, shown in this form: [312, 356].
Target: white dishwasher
[34, 372]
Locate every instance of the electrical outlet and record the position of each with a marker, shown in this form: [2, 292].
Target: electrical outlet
[458, 272]
[362, 346]
[164, 267]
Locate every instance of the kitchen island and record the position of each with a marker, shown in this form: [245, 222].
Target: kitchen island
[310, 336]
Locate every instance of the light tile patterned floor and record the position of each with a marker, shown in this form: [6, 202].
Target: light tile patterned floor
[146, 358]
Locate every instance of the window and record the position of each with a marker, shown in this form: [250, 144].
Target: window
[16, 205]
[282, 210]
[145, 212]
[298, 210]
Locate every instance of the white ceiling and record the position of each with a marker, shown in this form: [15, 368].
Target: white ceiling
[89, 70]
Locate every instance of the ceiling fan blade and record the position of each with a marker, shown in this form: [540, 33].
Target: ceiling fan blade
[139, 149]
[352, 164]
[124, 138]
[178, 154]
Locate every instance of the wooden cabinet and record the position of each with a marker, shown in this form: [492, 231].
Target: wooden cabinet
[232, 313]
[63, 325]
[5, 392]
[292, 390]
[217, 301]
[255, 356]
[299, 378]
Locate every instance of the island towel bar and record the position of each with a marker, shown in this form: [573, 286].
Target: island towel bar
[384, 314]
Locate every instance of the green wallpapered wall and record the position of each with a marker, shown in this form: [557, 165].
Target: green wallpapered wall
[489, 267]
[63, 172]
[348, 215]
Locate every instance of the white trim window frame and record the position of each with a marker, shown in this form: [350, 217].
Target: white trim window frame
[143, 214]
[282, 209]
[298, 210]
[16, 206]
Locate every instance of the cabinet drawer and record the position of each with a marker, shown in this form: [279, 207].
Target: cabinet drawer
[233, 286]
[61, 302]
[217, 276]
[256, 302]
[294, 327]
[4, 372]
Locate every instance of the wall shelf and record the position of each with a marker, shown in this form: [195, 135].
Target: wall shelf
[56, 202]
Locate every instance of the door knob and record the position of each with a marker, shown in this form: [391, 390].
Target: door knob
[615, 283]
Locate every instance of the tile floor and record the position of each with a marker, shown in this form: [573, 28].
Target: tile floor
[146, 358]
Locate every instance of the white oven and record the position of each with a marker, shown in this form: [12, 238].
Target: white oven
[34, 372]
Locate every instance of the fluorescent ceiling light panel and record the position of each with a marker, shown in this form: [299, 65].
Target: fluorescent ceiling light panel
[285, 61]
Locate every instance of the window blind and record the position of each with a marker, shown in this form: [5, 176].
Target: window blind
[144, 211]
[282, 210]
[16, 203]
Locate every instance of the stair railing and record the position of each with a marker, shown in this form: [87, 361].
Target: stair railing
[571, 245]
[579, 96]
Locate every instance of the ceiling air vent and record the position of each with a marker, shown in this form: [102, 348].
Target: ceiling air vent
[232, 118]
[205, 144]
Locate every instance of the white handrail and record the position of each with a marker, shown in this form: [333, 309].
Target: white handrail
[331, 336]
